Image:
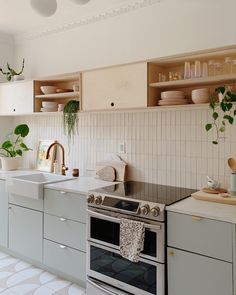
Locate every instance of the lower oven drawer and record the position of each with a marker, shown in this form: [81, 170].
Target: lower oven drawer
[144, 278]
[95, 287]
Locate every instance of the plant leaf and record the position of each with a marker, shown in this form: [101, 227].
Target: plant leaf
[24, 146]
[7, 144]
[22, 130]
[208, 127]
[234, 112]
[215, 115]
[215, 142]
[222, 129]
[19, 152]
[229, 106]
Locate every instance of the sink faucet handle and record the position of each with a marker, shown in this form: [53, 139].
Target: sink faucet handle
[64, 169]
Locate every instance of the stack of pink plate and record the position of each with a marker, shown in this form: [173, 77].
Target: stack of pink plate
[172, 98]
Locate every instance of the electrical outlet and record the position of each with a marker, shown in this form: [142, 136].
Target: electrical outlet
[122, 148]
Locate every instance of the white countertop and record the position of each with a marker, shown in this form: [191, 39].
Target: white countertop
[206, 209]
[80, 185]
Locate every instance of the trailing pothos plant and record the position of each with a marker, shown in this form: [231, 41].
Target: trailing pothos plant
[71, 118]
[14, 146]
[223, 111]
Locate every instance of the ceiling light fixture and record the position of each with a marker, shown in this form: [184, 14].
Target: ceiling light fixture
[48, 7]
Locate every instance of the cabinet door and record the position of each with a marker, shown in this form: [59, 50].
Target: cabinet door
[3, 215]
[194, 274]
[26, 232]
[115, 87]
[16, 97]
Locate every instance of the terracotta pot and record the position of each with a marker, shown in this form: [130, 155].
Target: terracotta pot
[11, 163]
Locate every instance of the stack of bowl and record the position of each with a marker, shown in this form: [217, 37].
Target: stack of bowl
[172, 98]
[49, 106]
[200, 95]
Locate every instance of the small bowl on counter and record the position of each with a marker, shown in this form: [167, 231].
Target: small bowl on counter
[201, 95]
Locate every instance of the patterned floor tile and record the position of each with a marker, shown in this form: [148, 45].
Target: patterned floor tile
[20, 278]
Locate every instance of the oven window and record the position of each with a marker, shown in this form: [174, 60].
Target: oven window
[109, 232]
[140, 275]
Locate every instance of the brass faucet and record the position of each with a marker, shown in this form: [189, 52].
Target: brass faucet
[63, 166]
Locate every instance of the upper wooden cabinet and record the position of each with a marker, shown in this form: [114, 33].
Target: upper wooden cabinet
[16, 97]
[115, 87]
[67, 87]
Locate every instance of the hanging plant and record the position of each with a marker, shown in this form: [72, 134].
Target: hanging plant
[70, 116]
[11, 73]
[223, 111]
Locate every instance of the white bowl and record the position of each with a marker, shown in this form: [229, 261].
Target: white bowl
[172, 94]
[202, 90]
[201, 95]
[49, 104]
[48, 89]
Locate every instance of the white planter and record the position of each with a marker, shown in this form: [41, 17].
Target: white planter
[18, 78]
[11, 163]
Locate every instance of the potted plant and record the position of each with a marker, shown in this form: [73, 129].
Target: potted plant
[13, 147]
[70, 118]
[223, 111]
[11, 73]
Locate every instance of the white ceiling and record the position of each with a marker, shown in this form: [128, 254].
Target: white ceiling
[17, 17]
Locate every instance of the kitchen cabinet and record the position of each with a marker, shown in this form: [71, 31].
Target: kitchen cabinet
[65, 233]
[172, 68]
[115, 87]
[68, 87]
[26, 232]
[3, 215]
[190, 273]
[16, 97]
[199, 255]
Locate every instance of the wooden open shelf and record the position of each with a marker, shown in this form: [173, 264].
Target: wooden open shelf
[58, 95]
[227, 78]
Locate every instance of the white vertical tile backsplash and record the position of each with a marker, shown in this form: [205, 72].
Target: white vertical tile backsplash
[164, 146]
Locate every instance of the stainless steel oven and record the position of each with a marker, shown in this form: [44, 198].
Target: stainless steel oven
[105, 264]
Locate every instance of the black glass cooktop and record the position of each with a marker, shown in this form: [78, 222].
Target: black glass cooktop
[149, 192]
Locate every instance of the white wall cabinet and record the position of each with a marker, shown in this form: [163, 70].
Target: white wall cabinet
[199, 255]
[16, 97]
[26, 232]
[3, 215]
[115, 87]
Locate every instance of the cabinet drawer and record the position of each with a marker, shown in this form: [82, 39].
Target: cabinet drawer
[194, 274]
[68, 205]
[64, 231]
[200, 235]
[69, 261]
[26, 202]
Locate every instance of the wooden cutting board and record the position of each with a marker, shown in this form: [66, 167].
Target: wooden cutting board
[200, 195]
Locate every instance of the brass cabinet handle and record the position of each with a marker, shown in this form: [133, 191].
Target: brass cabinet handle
[197, 218]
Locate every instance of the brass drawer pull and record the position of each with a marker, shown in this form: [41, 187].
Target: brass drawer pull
[171, 253]
[197, 218]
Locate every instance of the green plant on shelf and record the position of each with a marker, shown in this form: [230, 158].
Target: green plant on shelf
[223, 111]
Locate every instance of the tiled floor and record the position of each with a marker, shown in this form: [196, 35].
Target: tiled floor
[20, 278]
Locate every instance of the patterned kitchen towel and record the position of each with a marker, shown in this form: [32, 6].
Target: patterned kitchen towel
[131, 239]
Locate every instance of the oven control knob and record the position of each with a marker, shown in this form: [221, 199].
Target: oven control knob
[145, 209]
[98, 200]
[90, 198]
[155, 211]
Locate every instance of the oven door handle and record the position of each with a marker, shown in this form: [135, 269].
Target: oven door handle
[117, 220]
[101, 287]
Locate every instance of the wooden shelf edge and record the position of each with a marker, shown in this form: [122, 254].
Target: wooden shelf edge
[58, 95]
[196, 81]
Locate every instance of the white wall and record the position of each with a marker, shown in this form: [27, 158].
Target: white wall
[165, 28]
[7, 52]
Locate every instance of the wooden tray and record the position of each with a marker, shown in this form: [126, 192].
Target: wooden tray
[216, 198]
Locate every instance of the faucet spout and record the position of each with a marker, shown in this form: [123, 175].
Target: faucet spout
[63, 166]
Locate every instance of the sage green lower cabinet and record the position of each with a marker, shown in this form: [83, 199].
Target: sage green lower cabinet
[199, 255]
[190, 273]
[26, 232]
[66, 260]
[3, 215]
